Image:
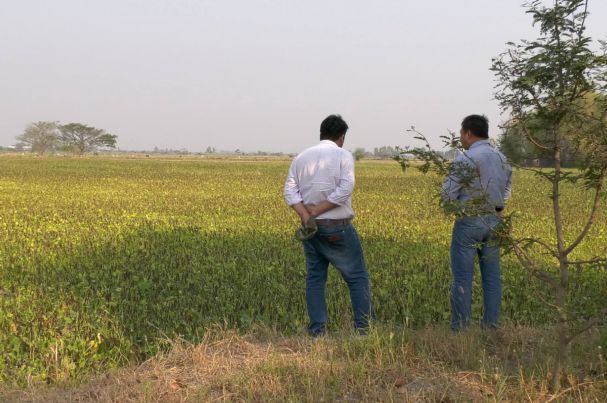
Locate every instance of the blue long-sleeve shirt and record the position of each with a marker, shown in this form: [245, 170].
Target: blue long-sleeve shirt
[480, 172]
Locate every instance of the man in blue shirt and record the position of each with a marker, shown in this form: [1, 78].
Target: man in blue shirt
[476, 189]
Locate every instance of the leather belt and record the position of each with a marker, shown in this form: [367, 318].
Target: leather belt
[333, 223]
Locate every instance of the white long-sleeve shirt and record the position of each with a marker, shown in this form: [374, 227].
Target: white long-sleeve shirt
[322, 172]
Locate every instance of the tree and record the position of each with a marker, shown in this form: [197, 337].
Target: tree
[82, 138]
[359, 153]
[559, 83]
[41, 137]
[554, 89]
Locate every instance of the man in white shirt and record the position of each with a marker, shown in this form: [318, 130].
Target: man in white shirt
[320, 184]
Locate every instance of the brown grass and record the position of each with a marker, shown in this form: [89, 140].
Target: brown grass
[388, 365]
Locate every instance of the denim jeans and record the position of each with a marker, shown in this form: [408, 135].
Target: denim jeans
[471, 237]
[340, 246]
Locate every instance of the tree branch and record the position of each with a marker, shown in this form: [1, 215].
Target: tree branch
[550, 249]
[598, 260]
[592, 217]
[596, 320]
[530, 264]
[583, 24]
[534, 141]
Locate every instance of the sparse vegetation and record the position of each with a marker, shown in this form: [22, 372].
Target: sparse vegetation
[391, 364]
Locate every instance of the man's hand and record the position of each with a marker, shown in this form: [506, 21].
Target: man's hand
[304, 214]
[317, 209]
[312, 209]
[304, 218]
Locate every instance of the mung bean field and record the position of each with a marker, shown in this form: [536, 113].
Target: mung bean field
[102, 260]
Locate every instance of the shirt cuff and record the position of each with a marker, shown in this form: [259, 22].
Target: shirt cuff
[291, 201]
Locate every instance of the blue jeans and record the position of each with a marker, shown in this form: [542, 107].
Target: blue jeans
[471, 237]
[340, 246]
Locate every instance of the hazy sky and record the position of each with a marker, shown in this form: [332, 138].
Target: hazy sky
[256, 74]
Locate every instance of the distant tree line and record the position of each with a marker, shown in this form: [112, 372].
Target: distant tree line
[389, 152]
[385, 152]
[49, 137]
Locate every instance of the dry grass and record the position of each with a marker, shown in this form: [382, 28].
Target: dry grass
[388, 365]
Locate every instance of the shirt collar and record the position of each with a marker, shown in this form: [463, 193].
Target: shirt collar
[479, 143]
[329, 142]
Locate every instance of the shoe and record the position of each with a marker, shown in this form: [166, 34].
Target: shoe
[317, 333]
[361, 331]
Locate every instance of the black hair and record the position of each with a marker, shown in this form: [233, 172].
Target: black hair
[477, 125]
[333, 127]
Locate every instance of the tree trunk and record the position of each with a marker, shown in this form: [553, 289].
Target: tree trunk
[560, 364]
[563, 286]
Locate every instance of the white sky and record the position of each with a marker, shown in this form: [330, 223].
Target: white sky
[256, 74]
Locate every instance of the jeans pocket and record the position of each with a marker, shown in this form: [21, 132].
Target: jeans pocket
[335, 239]
[333, 236]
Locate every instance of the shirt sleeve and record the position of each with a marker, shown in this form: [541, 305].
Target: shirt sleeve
[508, 190]
[452, 186]
[345, 186]
[291, 190]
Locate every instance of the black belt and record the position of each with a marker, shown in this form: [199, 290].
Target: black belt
[488, 210]
[333, 223]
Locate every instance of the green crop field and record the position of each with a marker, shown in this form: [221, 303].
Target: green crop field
[102, 260]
